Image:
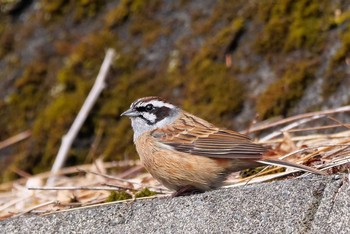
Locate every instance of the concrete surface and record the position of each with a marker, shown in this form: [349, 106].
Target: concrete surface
[313, 204]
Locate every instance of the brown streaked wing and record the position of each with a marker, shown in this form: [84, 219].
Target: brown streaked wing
[193, 135]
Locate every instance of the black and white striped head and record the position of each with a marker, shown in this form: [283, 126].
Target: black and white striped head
[149, 113]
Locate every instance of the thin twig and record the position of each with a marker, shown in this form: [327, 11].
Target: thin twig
[14, 202]
[70, 188]
[94, 145]
[131, 171]
[106, 176]
[319, 127]
[301, 116]
[260, 179]
[106, 204]
[257, 174]
[339, 122]
[14, 139]
[37, 207]
[309, 137]
[156, 189]
[290, 126]
[68, 139]
[71, 170]
[118, 187]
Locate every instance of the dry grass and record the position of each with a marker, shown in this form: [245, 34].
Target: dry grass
[88, 185]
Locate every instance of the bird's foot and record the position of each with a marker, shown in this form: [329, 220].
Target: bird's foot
[185, 191]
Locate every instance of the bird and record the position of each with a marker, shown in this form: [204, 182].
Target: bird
[188, 154]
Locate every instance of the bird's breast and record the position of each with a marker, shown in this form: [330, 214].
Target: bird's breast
[176, 169]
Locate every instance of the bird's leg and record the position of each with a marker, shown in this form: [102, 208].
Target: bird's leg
[186, 190]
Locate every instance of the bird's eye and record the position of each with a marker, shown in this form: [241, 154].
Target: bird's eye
[149, 107]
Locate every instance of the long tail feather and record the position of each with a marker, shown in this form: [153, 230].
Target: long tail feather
[277, 162]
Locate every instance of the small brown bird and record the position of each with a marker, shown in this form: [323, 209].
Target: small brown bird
[186, 153]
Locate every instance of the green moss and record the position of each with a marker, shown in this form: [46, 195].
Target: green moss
[308, 26]
[150, 29]
[51, 126]
[265, 10]
[214, 48]
[90, 52]
[209, 83]
[53, 7]
[87, 8]
[282, 95]
[293, 25]
[141, 17]
[341, 17]
[341, 54]
[145, 193]
[81, 9]
[333, 79]
[210, 86]
[7, 41]
[336, 71]
[119, 195]
[27, 98]
[222, 13]
[143, 22]
[118, 15]
[273, 36]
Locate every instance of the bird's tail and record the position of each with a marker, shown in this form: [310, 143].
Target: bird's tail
[278, 162]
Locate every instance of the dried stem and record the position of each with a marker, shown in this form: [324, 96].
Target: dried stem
[298, 117]
[71, 188]
[68, 139]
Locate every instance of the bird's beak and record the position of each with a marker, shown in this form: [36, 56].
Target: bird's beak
[130, 113]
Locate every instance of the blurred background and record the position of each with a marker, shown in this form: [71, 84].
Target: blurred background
[230, 62]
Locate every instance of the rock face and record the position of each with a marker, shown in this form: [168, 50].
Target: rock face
[310, 205]
[225, 61]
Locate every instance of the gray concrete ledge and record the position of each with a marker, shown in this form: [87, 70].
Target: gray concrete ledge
[313, 204]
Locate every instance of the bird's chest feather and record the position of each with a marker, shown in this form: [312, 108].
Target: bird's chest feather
[176, 169]
[157, 161]
[147, 151]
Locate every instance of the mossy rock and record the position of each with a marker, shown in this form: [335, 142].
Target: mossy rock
[53, 7]
[119, 195]
[336, 72]
[81, 9]
[145, 193]
[293, 25]
[210, 86]
[282, 95]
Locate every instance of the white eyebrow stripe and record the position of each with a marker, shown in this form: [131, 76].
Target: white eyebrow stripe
[157, 103]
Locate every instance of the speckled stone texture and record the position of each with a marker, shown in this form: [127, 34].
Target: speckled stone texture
[313, 204]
